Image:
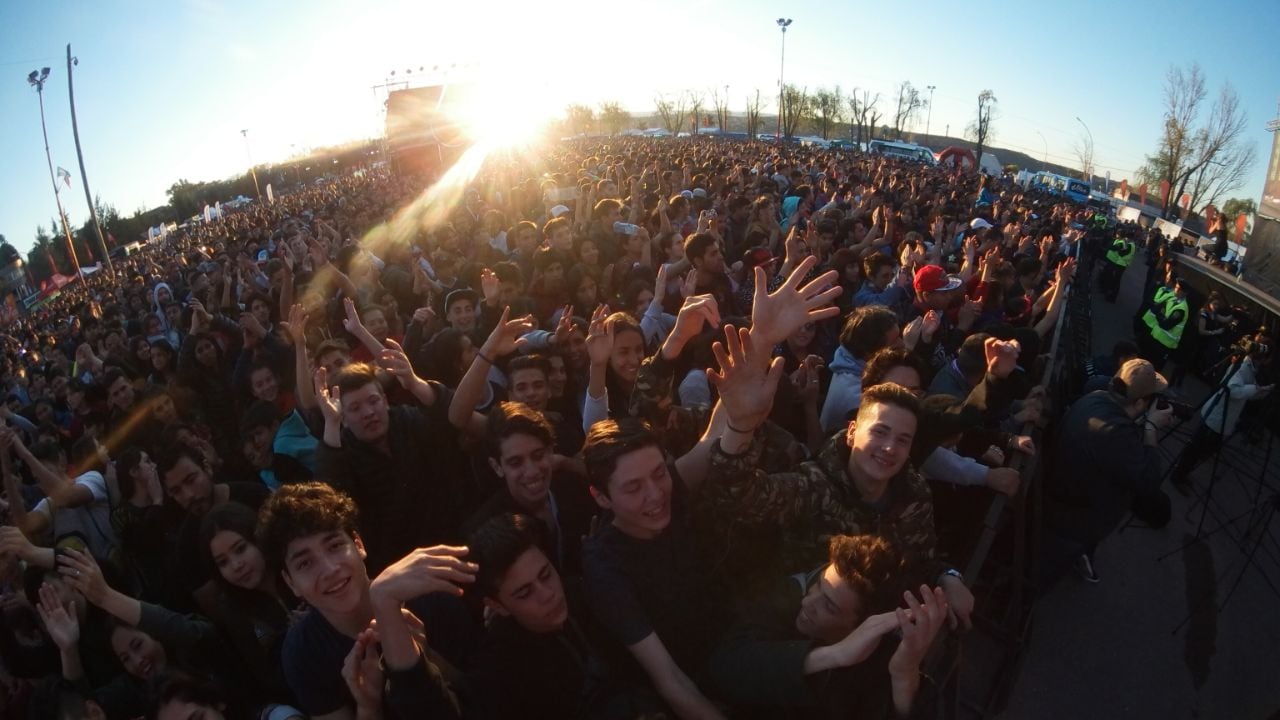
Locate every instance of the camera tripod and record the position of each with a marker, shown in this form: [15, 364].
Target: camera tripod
[1257, 518]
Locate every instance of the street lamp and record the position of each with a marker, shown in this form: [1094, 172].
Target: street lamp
[37, 78]
[783, 23]
[1088, 170]
[929, 118]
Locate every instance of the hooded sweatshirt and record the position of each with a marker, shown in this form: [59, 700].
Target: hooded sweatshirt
[845, 394]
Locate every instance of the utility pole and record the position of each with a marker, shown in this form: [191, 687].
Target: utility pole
[37, 78]
[84, 177]
[783, 23]
[252, 169]
[929, 121]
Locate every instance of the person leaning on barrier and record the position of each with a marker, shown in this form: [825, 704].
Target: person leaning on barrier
[1108, 463]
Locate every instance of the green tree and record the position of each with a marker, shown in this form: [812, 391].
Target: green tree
[827, 110]
[613, 117]
[579, 119]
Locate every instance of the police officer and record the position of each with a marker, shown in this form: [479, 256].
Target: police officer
[1119, 256]
[1167, 321]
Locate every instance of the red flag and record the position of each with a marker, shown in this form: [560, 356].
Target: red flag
[1164, 192]
[1185, 201]
[1142, 194]
[1210, 212]
[1240, 223]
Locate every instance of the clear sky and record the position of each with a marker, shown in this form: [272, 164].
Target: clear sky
[164, 88]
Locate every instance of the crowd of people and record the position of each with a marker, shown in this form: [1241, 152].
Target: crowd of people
[635, 428]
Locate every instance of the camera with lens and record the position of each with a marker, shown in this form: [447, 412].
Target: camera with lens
[1181, 410]
[1251, 345]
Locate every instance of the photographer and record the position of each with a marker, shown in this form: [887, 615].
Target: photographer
[1219, 415]
[1108, 463]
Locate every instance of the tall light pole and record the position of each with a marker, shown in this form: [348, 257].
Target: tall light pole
[783, 23]
[37, 78]
[253, 171]
[929, 117]
[1046, 146]
[1088, 170]
[84, 176]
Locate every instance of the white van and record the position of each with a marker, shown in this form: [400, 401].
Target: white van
[902, 150]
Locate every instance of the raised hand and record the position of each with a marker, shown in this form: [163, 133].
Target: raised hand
[747, 379]
[426, 570]
[858, 645]
[1066, 272]
[351, 323]
[394, 360]
[298, 324]
[697, 310]
[362, 672]
[490, 285]
[330, 401]
[919, 624]
[81, 572]
[1001, 355]
[660, 284]
[599, 337]
[689, 287]
[505, 338]
[774, 316]
[929, 326]
[59, 620]
[564, 326]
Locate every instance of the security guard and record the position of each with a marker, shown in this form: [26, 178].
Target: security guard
[1119, 256]
[1169, 320]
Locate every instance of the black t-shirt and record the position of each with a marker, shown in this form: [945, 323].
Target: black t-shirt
[190, 565]
[637, 587]
[314, 650]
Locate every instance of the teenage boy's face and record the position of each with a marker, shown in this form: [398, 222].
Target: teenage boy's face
[326, 570]
[639, 494]
[462, 315]
[529, 386]
[189, 486]
[830, 610]
[880, 441]
[364, 412]
[531, 594]
[524, 463]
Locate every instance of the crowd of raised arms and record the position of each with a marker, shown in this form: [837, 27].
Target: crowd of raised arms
[631, 429]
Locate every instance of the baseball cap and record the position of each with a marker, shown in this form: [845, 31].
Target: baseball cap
[757, 256]
[688, 194]
[1141, 379]
[932, 278]
[559, 210]
[979, 224]
[699, 192]
[460, 295]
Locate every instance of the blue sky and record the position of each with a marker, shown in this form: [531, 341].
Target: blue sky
[164, 88]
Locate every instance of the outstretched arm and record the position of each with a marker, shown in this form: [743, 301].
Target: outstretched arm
[503, 341]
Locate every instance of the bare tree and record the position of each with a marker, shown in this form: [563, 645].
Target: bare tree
[1202, 159]
[721, 104]
[980, 128]
[862, 113]
[1084, 153]
[826, 110]
[909, 104]
[796, 102]
[673, 112]
[753, 116]
[579, 118]
[695, 101]
[613, 117]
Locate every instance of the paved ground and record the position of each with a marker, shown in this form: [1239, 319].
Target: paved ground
[1159, 638]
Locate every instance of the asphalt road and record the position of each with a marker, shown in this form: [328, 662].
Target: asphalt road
[1177, 628]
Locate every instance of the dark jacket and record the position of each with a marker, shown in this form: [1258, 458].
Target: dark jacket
[1102, 465]
[413, 497]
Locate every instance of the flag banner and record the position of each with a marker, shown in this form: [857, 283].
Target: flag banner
[271, 198]
[64, 176]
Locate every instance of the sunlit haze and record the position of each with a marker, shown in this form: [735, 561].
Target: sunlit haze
[164, 89]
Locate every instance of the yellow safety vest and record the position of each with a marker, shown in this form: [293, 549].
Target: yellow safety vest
[1161, 296]
[1123, 259]
[1171, 338]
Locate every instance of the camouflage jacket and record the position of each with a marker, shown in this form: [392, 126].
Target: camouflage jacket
[815, 500]
[679, 428]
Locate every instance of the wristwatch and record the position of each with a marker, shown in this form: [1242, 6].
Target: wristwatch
[953, 573]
